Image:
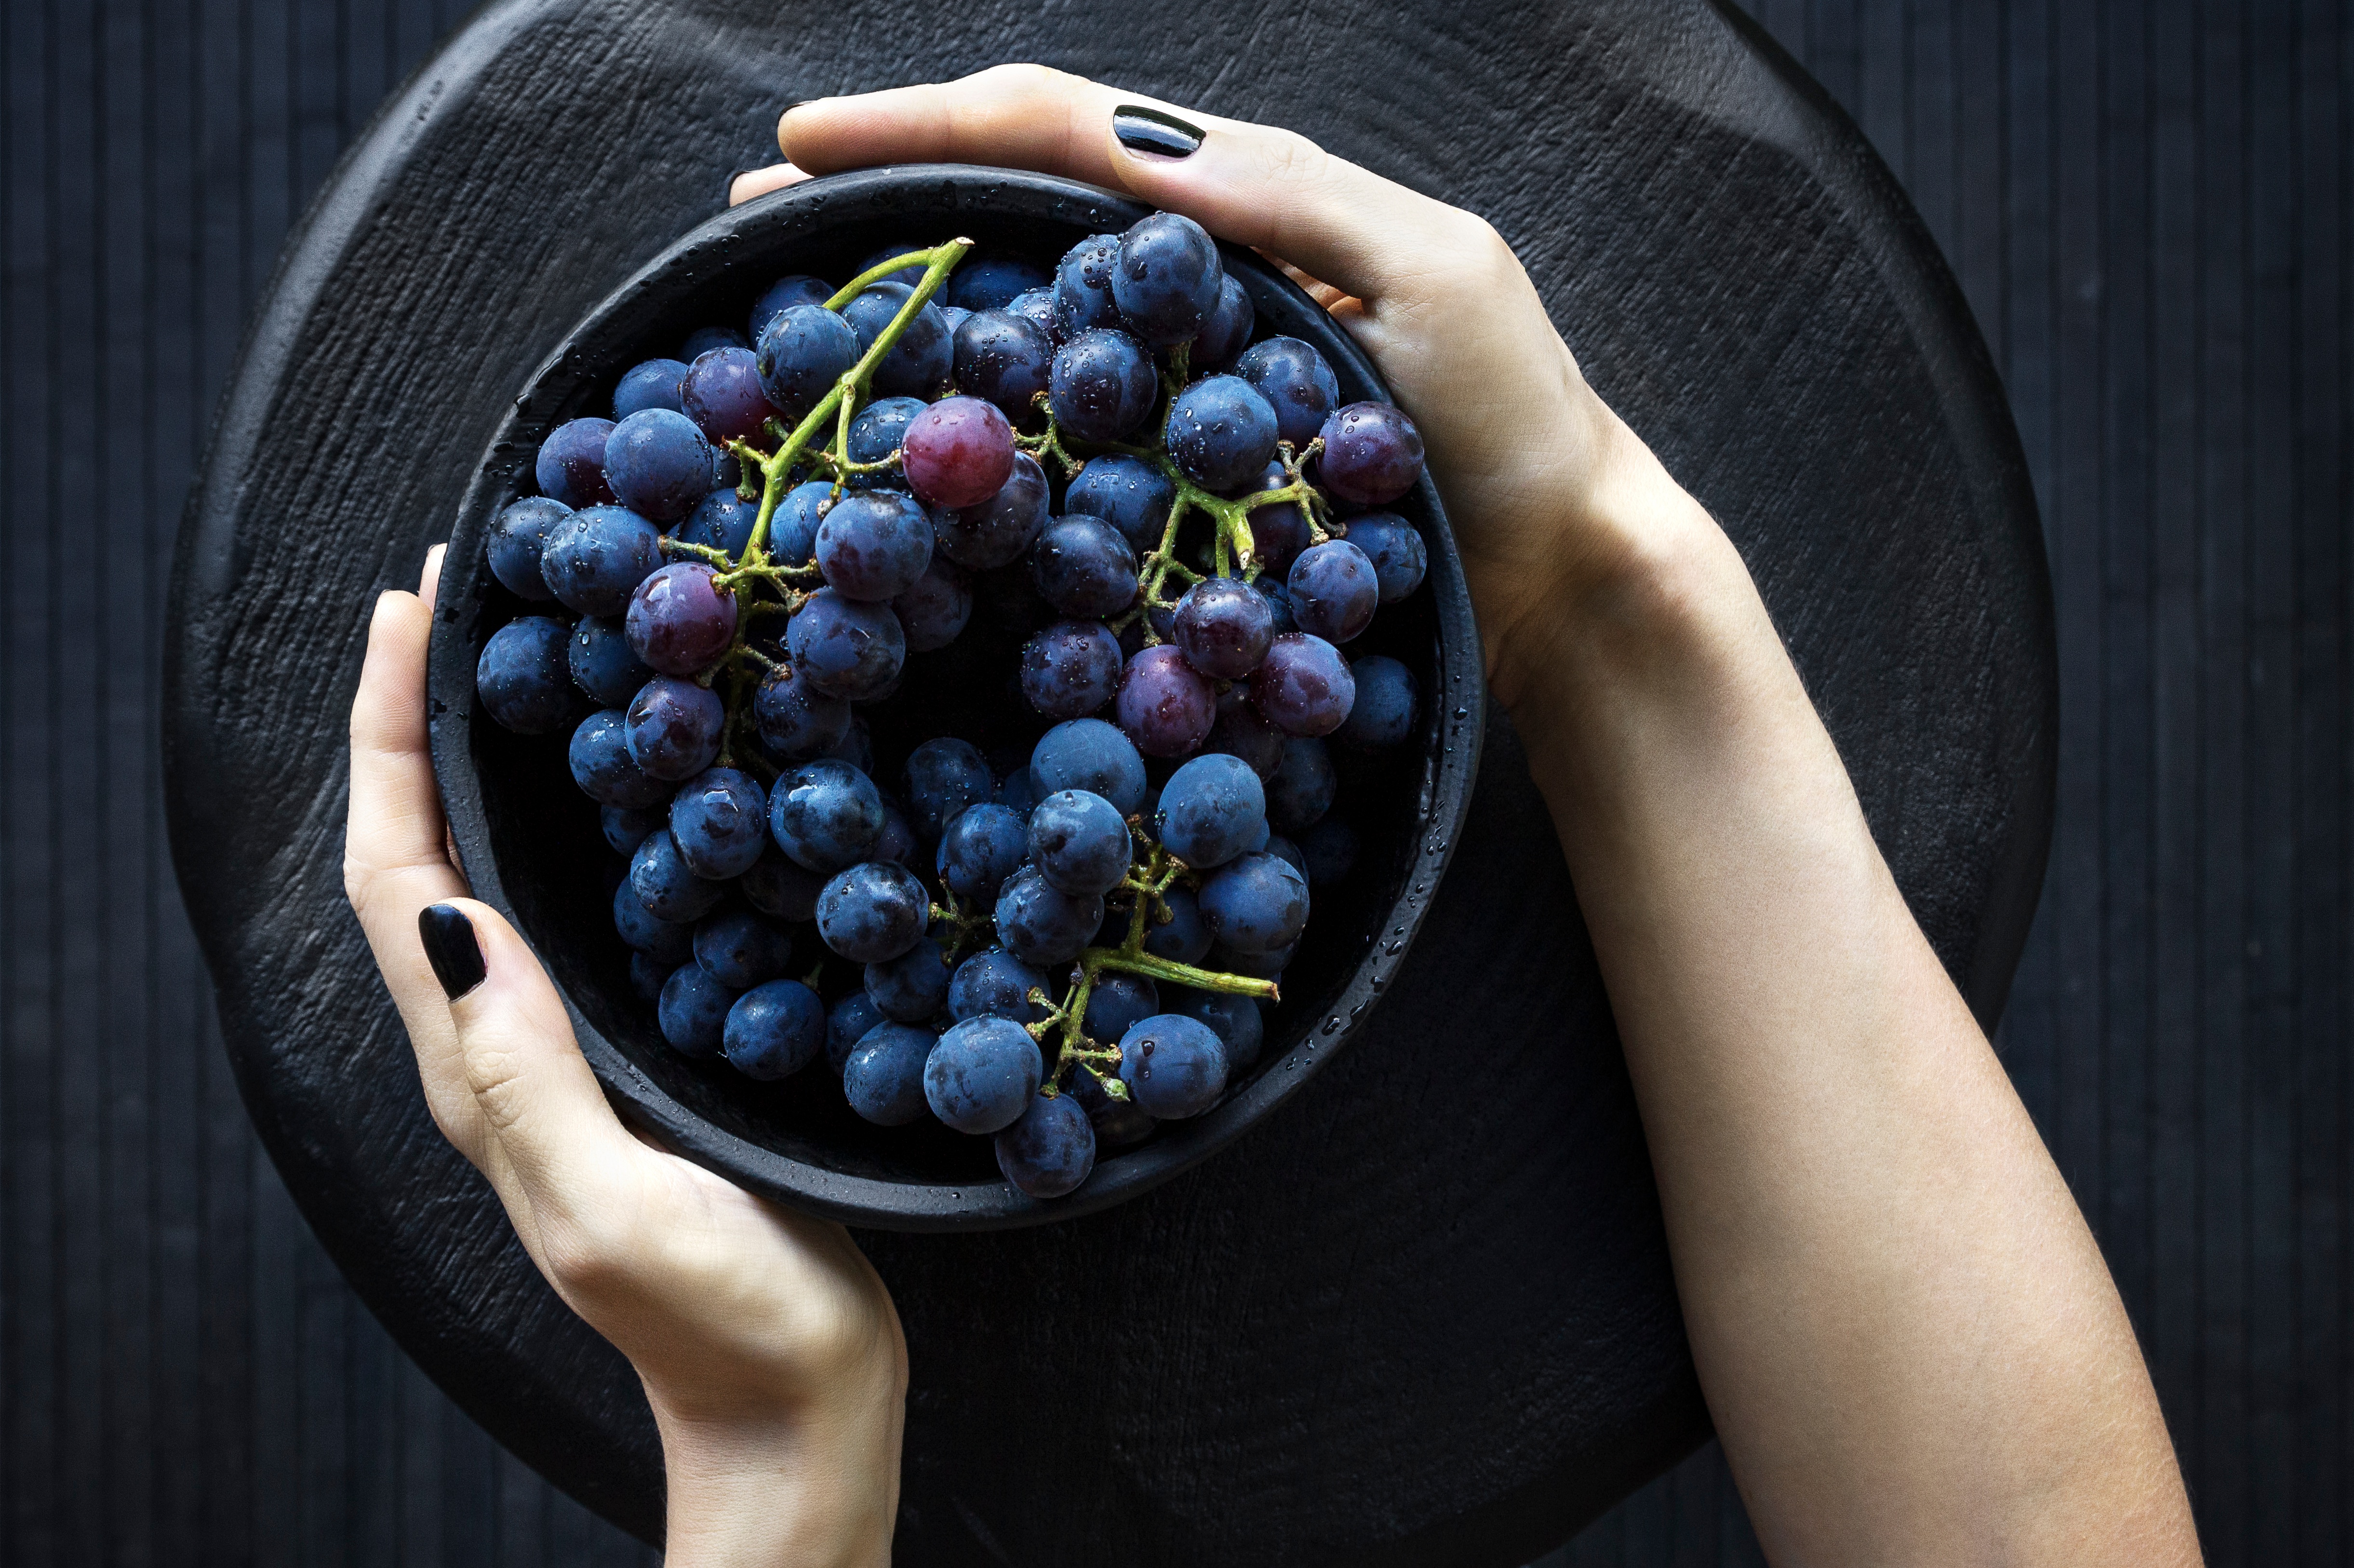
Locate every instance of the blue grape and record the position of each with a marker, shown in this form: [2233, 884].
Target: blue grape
[723, 394]
[1284, 850]
[1050, 1150]
[1225, 330]
[1004, 359]
[669, 942]
[1212, 809]
[1083, 297]
[774, 1030]
[674, 726]
[874, 544]
[1116, 1123]
[944, 777]
[1301, 789]
[1222, 432]
[996, 984]
[603, 768]
[913, 986]
[1037, 306]
[1334, 590]
[1278, 601]
[1399, 556]
[898, 843]
[876, 434]
[998, 530]
[723, 521]
[1372, 453]
[1382, 714]
[570, 467]
[1330, 851]
[873, 912]
[1079, 843]
[803, 351]
[988, 279]
[518, 536]
[1040, 926]
[659, 465]
[1173, 1065]
[778, 887]
[1164, 705]
[1071, 669]
[1242, 732]
[597, 557]
[1256, 904]
[720, 820]
[848, 1022]
[855, 747]
[1184, 936]
[741, 947]
[920, 362]
[1084, 567]
[826, 816]
[1018, 792]
[1236, 1021]
[650, 384]
[982, 1075]
[1165, 278]
[796, 720]
[794, 288]
[792, 527]
[693, 1012]
[703, 340]
[1268, 966]
[845, 647]
[1297, 381]
[982, 845]
[1089, 754]
[625, 829]
[523, 680]
[1101, 385]
[1117, 1003]
[884, 1078]
[936, 607]
[1303, 686]
[1129, 493]
[647, 975]
[666, 884]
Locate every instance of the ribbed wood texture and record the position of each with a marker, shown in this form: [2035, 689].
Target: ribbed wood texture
[2147, 202]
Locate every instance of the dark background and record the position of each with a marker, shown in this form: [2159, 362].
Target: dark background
[2148, 203]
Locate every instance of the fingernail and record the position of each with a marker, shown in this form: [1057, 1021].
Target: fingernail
[1142, 130]
[450, 948]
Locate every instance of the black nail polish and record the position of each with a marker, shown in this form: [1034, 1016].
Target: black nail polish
[1142, 130]
[450, 948]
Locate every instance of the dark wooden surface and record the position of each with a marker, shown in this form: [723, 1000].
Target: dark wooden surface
[2147, 205]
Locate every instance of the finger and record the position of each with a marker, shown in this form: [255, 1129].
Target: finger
[394, 862]
[429, 581]
[761, 181]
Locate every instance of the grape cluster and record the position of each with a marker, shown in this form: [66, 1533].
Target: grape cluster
[1069, 941]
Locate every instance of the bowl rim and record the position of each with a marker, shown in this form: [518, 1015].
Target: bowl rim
[701, 257]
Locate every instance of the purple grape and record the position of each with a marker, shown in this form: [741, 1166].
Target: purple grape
[1301, 789]
[1371, 453]
[668, 942]
[988, 279]
[775, 1029]
[796, 720]
[1165, 277]
[803, 351]
[703, 340]
[1164, 705]
[936, 607]
[874, 544]
[1228, 328]
[845, 648]
[1303, 686]
[518, 536]
[982, 1074]
[721, 393]
[601, 764]
[1222, 433]
[1051, 1150]
[826, 816]
[1083, 297]
[1083, 566]
[722, 521]
[523, 680]
[884, 1078]
[570, 468]
[1222, 627]
[1278, 600]
[1079, 843]
[719, 820]
[675, 728]
[659, 465]
[777, 887]
[1256, 904]
[919, 363]
[1040, 926]
[997, 531]
[1102, 386]
[958, 452]
[1295, 379]
[1279, 533]
[1004, 358]
[1129, 493]
[1212, 809]
[741, 949]
[666, 884]
[1116, 1004]
[624, 829]
[982, 846]
[912, 987]
[1242, 732]
[873, 913]
[678, 622]
[1071, 669]
[597, 557]
[1383, 714]
[693, 1012]
[1173, 1065]
[1330, 849]
[793, 525]
[652, 384]
[794, 289]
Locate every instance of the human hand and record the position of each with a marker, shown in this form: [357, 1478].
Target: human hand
[767, 1343]
[1548, 491]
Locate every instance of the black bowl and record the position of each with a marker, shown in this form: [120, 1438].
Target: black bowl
[529, 840]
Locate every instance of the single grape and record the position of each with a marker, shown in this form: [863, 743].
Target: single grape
[982, 846]
[625, 829]
[693, 1012]
[1005, 359]
[1050, 1150]
[677, 622]
[1382, 714]
[1301, 789]
[1083, 297]
[1184, 936]
[1257, 965]
[996, 984]
[792, 527]
[659, 465]
[666, 884]
[647, 977]
[982, 1075]
[1242, 732]
[884, 1078]
[719, 819]
[1293, 378]
[1117, 1003]
[1212, 809]
[846, 1023]
[1256, 904]
[1330, 848]
[855, 747]
[570, 467]
[1173, 1065]
[1040, 926]
[1018, 792]
[898, 843]
[774, 1030]
[919, 364]
[1334, 590]
[933, 609]
[1284, 850]
[873, 912]
[1236, 1021]
[1083, 566]
[1279, 533]
[523, 680]
[874, 544]
[944, 777]
[988, 280]
[803, 351]
[1399, 556]
[1222, 432]
[1372, 453]
[1165, 705]
[958, 452]
[1079, 843]
[1102, 386]
[1089, 754]
[1071, 669]
[603, 768]
[876, 434]
[845, 648]
[795, 720]
[741, 947]
[1118, 1124]
[998, 530]
[597, 557]
[1226, 329]
[518, 536]
[1223, 628]
[778, 887]
[1303, 686]
[794, 289]
[1165, 278]
[723, 521]
[704, 339]
[1037, 306]
[675, 728]
[1278, 600]
[1129, 493]
[669, 942]
[652, 384]
[825, 816]
[722, 394]
[913, 986]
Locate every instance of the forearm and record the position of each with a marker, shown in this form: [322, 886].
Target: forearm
[1908, 1338]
